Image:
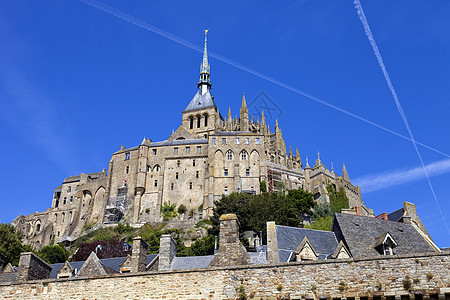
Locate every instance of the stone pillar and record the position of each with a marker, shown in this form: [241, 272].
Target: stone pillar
[167, 251]
[137, 204]
[139, 255]
[231, 251]
[32, 267]
[272, 243]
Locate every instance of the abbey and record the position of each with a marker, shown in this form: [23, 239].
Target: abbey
[206, 157]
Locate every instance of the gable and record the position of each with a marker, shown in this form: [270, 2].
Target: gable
[181, 134]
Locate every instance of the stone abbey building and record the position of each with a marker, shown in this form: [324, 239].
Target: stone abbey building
[208, 156]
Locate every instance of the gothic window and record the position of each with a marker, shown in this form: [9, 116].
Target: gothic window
[225, 172]
[190, 185]
[188, 150]
[199, 149]
[175, 150]
[199, 119]
[206, 119]
[63, 217]
[247, 172]
[229, 155]
[70, 217]
[127, 155]
[237, 141]
[224, 141]
[157, 168]
[244, 155]
[191, 122]
[247, 141]
[257, 141]
[213, 141]
[38, 227]
[193, 162]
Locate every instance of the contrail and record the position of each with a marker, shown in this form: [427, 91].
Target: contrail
[377, 53]
[375, 182]
[121, 15]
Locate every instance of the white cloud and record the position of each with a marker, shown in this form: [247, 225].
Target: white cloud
[375, 182]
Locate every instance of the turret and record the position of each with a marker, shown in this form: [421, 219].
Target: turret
[229, 120]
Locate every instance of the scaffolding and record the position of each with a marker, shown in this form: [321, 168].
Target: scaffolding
[274, 177]
[116, 206]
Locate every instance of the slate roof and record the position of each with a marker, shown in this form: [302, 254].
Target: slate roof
[9, 277]
[289, 238]
[76, 178]
[191, 262]
[201, 101]
[360, 233]
[396, 215]
[113, 263]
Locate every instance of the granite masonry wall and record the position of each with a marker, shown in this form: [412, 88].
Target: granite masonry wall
[424, 276]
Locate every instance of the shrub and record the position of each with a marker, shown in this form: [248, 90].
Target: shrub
[53, 254]
[407, 284]
[182, 209]
[168, 211]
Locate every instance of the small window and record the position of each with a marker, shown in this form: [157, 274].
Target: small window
[244, 155]
[176, 175]
[225, 190]
[156, 183]
[190, 185]
[65, 200]
[56, 203]
[69, 189]
[178, 163]
[225, 172]
[127, 169]
[258, 141]
[71, 199]
[175, 151]
[148, 168]
[127, 155]
[196, 174]
[224, 141]
[193, 162]
[199, 149]
[171, 186]
[188, 150]
[154, 151]
[237, 141]
[213, 141]
[229, 155]
[247, 141]
[247, 172]
[38, 227]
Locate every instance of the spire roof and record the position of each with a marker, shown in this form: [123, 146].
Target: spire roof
[244, 104]
[205, 64]
[345, 173]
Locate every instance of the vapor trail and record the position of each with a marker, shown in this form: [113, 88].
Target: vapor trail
[377, 53]
[121, 15]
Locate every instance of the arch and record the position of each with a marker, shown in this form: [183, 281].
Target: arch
[156, 168]
[205, 116]
[70, 217]
[218, 163]
[254, 157]
[38, 226]
[99, 204]
[191, 122]
[199, 120]
[243, 155]
[229, 155]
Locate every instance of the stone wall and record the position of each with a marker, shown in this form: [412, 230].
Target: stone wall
[424, 276]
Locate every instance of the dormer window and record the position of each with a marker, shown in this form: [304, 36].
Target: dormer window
[385, 244]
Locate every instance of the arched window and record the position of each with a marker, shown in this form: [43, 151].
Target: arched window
[56, 218]
[38, 227]
[199, 119]
[63, 217]
[70, 217]
[157, 168]
[206, 119]
[244, 155]
[229, 155]
[191, 122]
[272, 158]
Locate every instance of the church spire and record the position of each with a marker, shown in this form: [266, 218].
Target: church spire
[345, 173]
[204, 81]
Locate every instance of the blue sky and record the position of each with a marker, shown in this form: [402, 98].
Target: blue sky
[77, 82]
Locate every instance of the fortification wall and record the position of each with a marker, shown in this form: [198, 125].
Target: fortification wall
[375, 278]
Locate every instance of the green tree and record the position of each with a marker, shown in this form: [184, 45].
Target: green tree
[182, 209]
[323, 223]
[11, 243]
[263, 186]
[303, 200]
[338, 199]
[53, 254]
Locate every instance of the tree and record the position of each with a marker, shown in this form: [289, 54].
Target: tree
[338, 199]
[53, 254]
[323, 223]
[203, 246]
[182, 209]
[303, 200]
[11, 243]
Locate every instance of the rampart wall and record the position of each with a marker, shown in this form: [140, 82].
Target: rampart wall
[420, 276]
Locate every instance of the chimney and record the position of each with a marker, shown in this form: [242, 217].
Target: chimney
[272, 244]
[32, 267]
[139, 255]
[231, 252]
[167, 251]
[382, 216]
